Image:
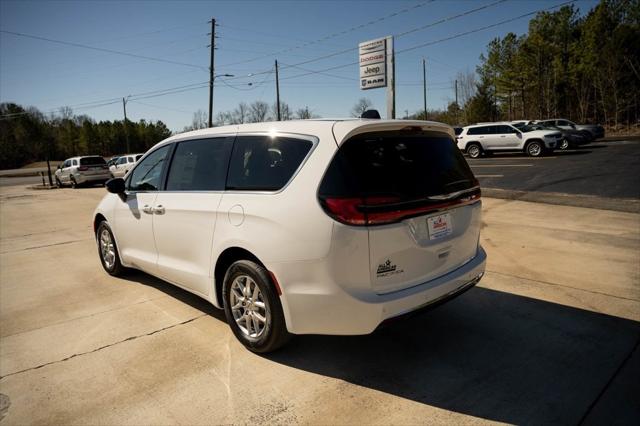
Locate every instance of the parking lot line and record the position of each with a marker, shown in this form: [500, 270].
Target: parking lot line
[510, 158]
[489, 176]
[502, 165]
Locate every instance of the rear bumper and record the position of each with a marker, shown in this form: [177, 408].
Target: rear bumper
[326, 308]
[80, 178]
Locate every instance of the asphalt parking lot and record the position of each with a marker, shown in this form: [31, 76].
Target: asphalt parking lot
[550, 335]
[601, 174]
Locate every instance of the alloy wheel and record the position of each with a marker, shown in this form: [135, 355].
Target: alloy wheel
[107, 249]
[248, 307]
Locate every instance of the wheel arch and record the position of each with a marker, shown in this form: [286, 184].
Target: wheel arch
[96, 221]
[226, 258]
[473, 142]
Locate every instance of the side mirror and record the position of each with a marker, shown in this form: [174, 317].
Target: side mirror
[115, 186]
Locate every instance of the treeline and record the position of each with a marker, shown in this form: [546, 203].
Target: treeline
[586, 69]
[255, 112]
[29, 135]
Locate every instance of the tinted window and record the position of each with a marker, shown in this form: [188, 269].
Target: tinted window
[505, 129]
[92, 161]
[139, 156]
[476, 131]
[399, 165]
[147, 174]
[563, 123]
[67, 163]
[121, 160]
[200, 165]
[264, 162]
[457, 130]
[75, 162]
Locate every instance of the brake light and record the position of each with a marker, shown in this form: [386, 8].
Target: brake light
[385, 210]
[83, 168]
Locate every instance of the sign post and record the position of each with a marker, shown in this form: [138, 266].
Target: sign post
[377, 69]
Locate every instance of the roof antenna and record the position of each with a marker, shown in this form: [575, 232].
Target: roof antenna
[371, 113]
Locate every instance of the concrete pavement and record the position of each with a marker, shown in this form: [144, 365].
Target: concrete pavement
[550, 334]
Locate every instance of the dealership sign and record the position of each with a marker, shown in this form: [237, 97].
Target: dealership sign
[373, 63]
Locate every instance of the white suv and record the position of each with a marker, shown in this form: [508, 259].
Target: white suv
[486, 138]
[301, 227]
[124, 164]
[77, 171]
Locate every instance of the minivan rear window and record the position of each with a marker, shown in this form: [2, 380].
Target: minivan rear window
[92, 161]
[398, 164]
[265, 163]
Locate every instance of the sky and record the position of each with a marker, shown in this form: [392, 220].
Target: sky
[165, 66]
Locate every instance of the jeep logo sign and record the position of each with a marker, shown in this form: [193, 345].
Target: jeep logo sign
[373, 59]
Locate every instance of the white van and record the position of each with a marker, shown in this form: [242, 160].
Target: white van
[301, 227]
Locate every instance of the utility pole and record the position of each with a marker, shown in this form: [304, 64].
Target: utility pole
[457, 101]
[211, 70]
[277, 92]
[424, 87]
[126, 130]
[391, 79]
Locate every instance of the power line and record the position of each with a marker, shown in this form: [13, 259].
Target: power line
[100, 49]
[336, 34]
[423, 27]
[458, 35]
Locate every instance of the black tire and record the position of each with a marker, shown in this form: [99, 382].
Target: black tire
[474, 150]
[115, 267]
[74, 184]
[564, 144]
[534, 149]
[273, 334]
[58, 183]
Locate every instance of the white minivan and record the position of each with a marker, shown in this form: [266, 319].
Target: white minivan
[301, 227]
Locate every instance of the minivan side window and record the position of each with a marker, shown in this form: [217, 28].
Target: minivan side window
[200, 165]
[75, 162]
[265, 163]
[148, 173]
[66, 164]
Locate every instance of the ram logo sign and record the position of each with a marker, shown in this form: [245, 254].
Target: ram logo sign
[373, 61]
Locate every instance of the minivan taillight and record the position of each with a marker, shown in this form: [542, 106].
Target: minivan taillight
[371, 211]
[83, 168]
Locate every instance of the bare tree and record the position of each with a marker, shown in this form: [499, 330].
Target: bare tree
[66, 113]
[285, 111]
[199, 120]
[467, 84]
[224, 118]
[304, 113]
[241, 113]
[258, 112]
[361, 106]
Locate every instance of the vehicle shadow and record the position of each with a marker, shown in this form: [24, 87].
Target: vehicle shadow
[175, 292]
[488, 354]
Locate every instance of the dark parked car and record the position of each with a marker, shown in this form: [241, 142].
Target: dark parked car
[571, 138]
[591, 131]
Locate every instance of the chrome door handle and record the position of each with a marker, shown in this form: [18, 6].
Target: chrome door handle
[159, 209]
[147, 209]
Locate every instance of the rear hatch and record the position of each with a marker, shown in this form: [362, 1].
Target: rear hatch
[417, 197]
[92, 165]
